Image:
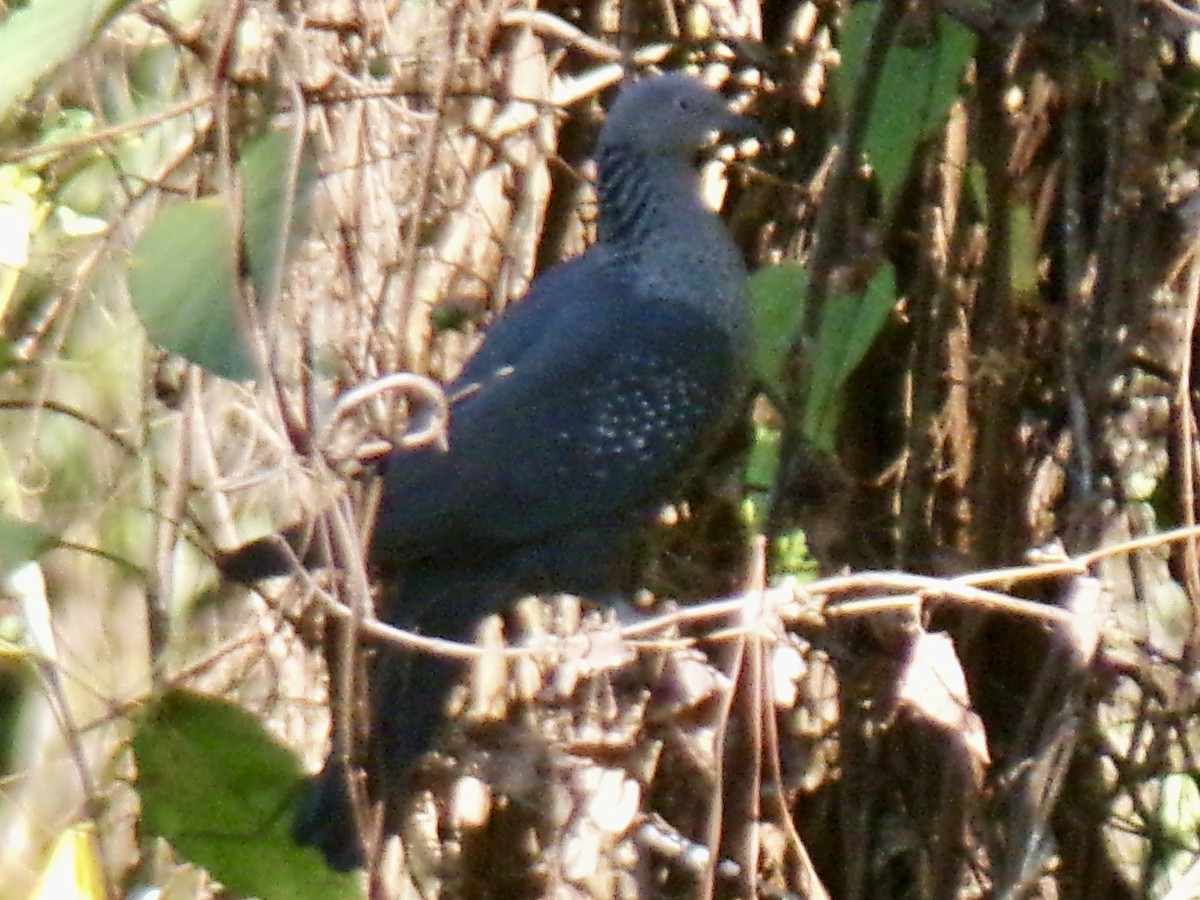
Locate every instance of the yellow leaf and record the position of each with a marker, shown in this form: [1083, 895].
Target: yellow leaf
[73, 870]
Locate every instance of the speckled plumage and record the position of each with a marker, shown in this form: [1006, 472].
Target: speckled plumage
[590, 399]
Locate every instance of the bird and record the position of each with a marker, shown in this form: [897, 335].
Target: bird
[575, 422]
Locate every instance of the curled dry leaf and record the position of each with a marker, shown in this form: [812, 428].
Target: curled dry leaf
[607, 800]
[689, 679]
[932, 687]
[589, 653]
[472, 802]
[787, 669]
[1087, 600]
[613, 798]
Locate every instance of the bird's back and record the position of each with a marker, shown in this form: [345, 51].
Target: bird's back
[584, 409]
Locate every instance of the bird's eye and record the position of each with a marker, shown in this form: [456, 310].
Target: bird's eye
[683, 103]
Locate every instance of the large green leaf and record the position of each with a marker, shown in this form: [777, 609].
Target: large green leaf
[777, 294]
[849, 325]
[183, 285]
[915, 90]
[275, 207]
[36, 40]
[220, 789]
[21, 542]
[854, 39]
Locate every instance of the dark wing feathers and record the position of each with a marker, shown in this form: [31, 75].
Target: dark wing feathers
[526, 323]
[592, 420]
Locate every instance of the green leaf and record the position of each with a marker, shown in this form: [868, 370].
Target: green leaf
[36, 40]
[763, 463]
[275, 210]
[762, 468]
[915, 90]
[182, 281]
[1173, 843]
[854, 39]
[21, 542]
[1024, 274]
[777, 294]
[849, 326]
[219, 789]
[790, 557]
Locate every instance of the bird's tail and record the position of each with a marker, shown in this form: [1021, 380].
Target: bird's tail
[409, 693]
[325, 818]
[272, 555]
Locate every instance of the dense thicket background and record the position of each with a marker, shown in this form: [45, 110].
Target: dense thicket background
[976, 223]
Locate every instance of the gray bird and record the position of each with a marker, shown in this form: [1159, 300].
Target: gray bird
[581, 415]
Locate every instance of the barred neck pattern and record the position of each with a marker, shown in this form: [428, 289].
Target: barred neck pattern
[639, 194]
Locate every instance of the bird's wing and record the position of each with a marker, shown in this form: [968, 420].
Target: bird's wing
[594, 419]
[527, 322]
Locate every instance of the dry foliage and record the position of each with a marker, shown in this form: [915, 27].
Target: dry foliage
[1003, 719]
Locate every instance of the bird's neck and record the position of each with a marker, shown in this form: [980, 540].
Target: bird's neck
[641, 195]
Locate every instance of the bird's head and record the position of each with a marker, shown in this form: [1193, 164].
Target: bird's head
[669, 114]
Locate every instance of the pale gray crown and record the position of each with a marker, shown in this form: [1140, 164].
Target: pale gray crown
[666, 114]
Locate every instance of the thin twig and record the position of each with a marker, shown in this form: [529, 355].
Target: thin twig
[1186, 436]
[102, 135]
[914, 590]
[428, 393]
